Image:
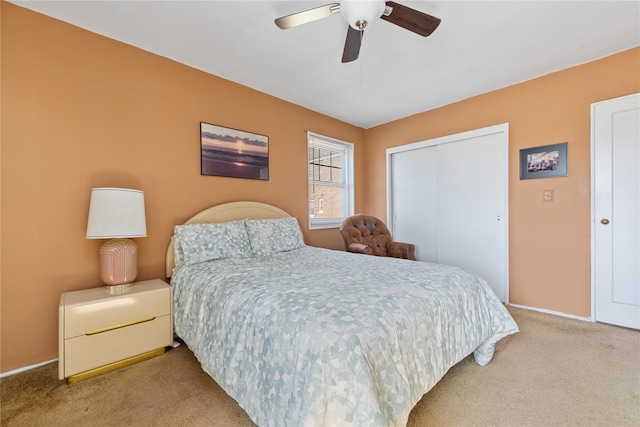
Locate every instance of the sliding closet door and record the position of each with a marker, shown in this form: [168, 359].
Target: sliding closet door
[471, 207]
[449, 197]
[414, 195]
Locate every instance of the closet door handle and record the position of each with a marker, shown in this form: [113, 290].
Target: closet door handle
[604, 221]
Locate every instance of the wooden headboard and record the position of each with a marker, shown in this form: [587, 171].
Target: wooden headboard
[224, 213]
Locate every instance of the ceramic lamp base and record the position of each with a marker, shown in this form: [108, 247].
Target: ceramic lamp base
[118, 263]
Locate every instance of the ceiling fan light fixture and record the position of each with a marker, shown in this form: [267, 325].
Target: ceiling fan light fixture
[360, 13]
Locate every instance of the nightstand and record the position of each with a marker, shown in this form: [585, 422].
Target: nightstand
[100, 332]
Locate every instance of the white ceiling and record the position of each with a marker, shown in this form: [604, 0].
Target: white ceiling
[480, 46]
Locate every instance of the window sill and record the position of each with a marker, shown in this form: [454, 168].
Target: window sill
[317, 224]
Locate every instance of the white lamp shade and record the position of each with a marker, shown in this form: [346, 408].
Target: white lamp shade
[116, 213]
[361, 10]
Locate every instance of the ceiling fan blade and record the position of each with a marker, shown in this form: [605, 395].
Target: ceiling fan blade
[352, 45]
[303, 17]
[411, 19]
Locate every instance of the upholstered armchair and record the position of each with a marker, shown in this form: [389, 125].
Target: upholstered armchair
[368, 235]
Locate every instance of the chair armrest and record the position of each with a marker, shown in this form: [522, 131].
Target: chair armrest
[402, 250]
[359, 248]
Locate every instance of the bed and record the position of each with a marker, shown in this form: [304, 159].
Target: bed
[300, 335]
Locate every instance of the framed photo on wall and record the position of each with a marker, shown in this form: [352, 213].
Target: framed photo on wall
[543, 162]
[233, 153]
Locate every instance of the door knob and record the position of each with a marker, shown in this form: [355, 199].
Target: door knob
[604, 221]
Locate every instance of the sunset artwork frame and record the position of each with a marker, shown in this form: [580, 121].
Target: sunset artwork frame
[233, 153]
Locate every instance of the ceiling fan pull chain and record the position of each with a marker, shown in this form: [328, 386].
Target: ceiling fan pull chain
[363, 60]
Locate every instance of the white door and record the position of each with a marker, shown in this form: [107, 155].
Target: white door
[615, 154]
[414, 190]
[471, 206]
[449, 197]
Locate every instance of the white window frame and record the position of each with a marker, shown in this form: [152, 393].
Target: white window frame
[313, 141]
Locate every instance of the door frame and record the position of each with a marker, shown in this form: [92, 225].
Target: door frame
[489, 130]
[593, 317]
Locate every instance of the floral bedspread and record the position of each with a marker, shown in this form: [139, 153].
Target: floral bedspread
[329, 338]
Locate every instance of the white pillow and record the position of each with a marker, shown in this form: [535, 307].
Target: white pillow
[207, 242]
[269, 236]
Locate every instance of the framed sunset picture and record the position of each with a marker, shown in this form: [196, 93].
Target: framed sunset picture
[233, 153]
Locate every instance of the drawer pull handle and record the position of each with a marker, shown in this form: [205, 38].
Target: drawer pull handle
[123, 325]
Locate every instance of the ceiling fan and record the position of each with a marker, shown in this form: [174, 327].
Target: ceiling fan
[361, 14]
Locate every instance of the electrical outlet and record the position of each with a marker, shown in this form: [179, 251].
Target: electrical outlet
[547, 195]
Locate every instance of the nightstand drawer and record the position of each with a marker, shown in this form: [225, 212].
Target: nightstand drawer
[100, 331]
[87, 352]
[113, 312]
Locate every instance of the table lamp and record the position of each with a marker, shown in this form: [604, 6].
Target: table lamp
[117, 214]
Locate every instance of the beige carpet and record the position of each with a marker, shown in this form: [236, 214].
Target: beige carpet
[555, 372]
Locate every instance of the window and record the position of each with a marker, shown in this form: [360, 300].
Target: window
[330, 181]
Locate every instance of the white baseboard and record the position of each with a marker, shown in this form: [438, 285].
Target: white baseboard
[555, 313]
[26, 368]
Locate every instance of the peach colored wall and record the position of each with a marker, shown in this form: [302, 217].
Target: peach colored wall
[549, 242]
[80, 111]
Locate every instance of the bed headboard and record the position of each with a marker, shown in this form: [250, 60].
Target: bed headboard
[224, 213]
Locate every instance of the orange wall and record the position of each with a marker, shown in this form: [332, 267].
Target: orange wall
[80, 111]
[549, 242]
